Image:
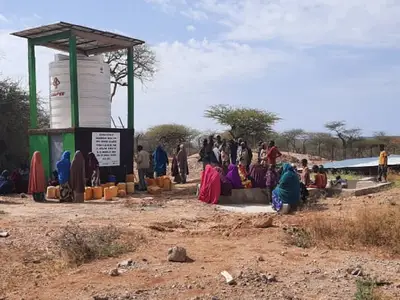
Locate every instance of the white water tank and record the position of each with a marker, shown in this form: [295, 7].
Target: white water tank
[93, 89]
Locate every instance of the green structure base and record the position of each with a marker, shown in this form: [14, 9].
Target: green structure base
[39, 140]
[52, 142]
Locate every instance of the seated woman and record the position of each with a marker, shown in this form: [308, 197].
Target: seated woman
[288, 189]
[244, 177]
[210, 186]
[54, 181]
[226, 185]
[271, 181]
[318, 179]
[6, 184]
[233, 177]
[257, 175]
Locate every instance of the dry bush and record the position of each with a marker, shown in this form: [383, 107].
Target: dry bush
[367, 289]
[368, 228]
[80, 245]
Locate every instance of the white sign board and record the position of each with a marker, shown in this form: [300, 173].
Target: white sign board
[106, 146]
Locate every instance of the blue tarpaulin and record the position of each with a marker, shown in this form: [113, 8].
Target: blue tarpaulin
[393, 160]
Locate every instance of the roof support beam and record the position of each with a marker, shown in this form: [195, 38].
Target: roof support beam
[51, 38]
[104, 49]
[102, 39]
[62, 48]
[73, 75]
[131, 91]
[32, 86]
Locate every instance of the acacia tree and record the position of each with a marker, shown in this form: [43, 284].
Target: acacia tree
[346, 136]
[14, 124]
[144, 66]
[243, 122]
[319, 139]
[171, 135]
[291, 137]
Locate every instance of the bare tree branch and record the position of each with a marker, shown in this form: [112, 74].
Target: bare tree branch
[144, 66]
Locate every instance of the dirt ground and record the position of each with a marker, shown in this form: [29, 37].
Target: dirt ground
[215, 241]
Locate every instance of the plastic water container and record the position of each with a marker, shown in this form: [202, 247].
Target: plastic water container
[285, 209]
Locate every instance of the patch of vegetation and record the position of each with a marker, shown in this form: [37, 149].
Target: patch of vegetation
[299, 237]
[80, 245]
[368, 228]
[365, 290]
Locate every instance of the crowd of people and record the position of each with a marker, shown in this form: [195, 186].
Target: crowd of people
[230, 165]
[227, 165]
[69, 175]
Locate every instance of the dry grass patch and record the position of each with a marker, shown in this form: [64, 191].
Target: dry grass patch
[78, 245]
[367, 228]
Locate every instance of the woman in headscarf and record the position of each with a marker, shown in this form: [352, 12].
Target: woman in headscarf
[175, 166]
[78, 177]
[6, 185]
[257, 174]
[288, 189]
[234, 177]
[160, 159]
[183, 163]
[37, 181]
[210, 187]
[92, 170]
[226, 185]
[63, 169]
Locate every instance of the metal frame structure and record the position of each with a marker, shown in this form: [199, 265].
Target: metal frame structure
[76, 39]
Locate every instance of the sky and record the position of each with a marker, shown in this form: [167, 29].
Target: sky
[309, 61]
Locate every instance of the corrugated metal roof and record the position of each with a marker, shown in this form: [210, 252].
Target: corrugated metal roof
[89, 41]
[393, 160]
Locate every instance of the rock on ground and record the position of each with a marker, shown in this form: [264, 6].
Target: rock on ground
[264, 222]
[177, 254]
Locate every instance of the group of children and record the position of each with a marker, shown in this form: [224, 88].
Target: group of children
[320, 177]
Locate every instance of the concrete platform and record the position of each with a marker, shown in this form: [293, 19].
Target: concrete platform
[367, 189]
[245, 196]
[256, 196]
[244, 208]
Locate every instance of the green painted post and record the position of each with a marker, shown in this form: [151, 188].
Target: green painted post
[73, 76]
[32, 85]
[131, 93]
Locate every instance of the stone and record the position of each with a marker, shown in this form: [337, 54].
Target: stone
[126, 263]
[101, 298]
[177, 254]
[260, 258]
[114, 272]
[357, 272]
[264, 222]
[4, 234]
[228, 278]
